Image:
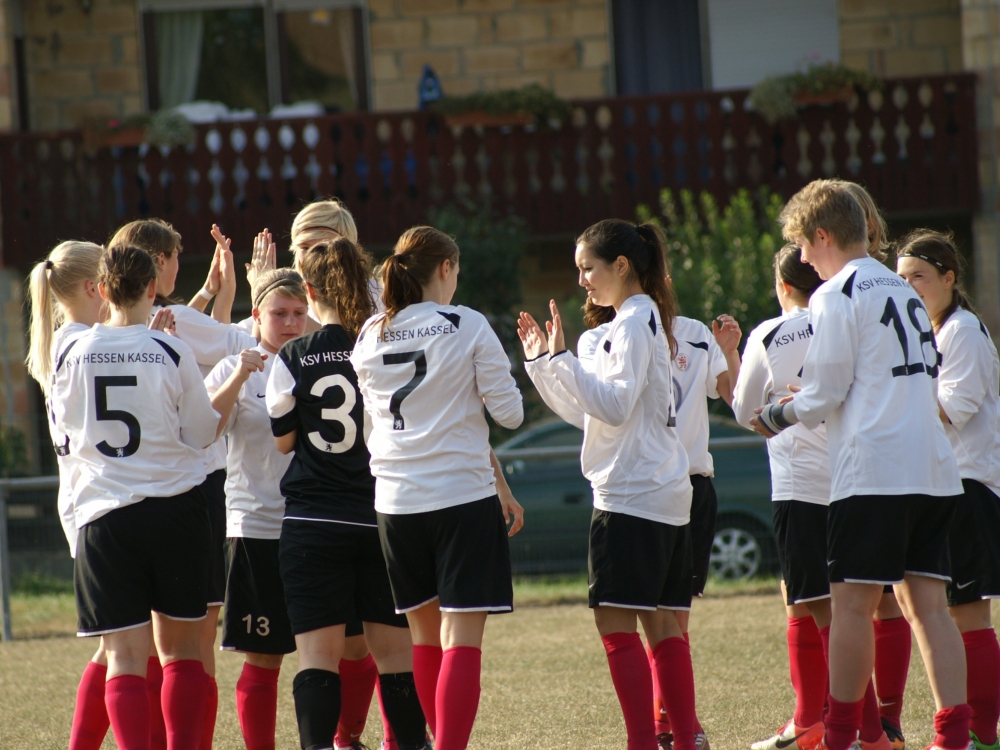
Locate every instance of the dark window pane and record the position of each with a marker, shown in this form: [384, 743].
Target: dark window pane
[320, 58]
[657, 46]
[562, 437]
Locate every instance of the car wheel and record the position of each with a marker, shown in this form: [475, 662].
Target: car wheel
[739, 550]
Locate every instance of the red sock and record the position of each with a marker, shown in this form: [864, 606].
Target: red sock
[661, 723]
[388, 737]
[154, 684]
[672, 662]
[824, 637]
[128, 711]
[211, 711]
[807, 668]
[357, 683]
[257, 705]
[893, 645]
[842, 723]
[90, 716]
[982, 658]
[633, 682]
[184, 698]
[426, 668]
[951, 727]
[697, 723]
[457, 699]
[871, 719]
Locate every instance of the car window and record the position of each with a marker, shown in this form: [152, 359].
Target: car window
[562, 437]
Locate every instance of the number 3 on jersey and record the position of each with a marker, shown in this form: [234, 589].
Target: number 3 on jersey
[891, 315]
[341, 415]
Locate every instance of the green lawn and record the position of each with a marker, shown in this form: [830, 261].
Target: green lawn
[545, 677]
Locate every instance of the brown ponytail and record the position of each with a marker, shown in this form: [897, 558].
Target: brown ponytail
[417, 255]
[801, 277]
[126, 272]
[594, 315]
[340, 273]
[940, 251]
[642, 246]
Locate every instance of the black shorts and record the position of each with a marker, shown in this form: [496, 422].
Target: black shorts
[333, 574]
[458, 555]
[638, 564]
[214, 490]
[704, 509]
[880, 538]
[800, 536]
[255, 619]
[975, 554]
[149, 556]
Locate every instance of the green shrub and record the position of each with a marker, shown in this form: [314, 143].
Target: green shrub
[720, 259]
[13, 452]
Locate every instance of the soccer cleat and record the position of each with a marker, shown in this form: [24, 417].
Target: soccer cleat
[352, 746]
[895, 735]
[665, 741]
[973, 745]
[701, 741]
[982, 745]
[791, 736]
[882, 743]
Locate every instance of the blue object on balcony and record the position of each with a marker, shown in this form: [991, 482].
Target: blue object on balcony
[430, 87]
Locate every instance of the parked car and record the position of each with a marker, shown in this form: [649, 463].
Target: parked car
[542, 466]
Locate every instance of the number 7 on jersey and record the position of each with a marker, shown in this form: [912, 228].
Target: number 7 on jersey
[420, 372]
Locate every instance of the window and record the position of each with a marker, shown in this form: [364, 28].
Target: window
[251, 57]
[658, 47]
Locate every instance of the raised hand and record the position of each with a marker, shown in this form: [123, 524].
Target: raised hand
[263, 258]
[222, 310]
[163, 321]
[532, 338]
[727, 333]
[554, 327]
[251, 361]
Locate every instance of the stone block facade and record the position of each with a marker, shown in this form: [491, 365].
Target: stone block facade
[477, 45]
[81, 65]
[895, 38]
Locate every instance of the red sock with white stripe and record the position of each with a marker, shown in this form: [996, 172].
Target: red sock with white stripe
[661, 723]
[184, 697]
[982, 658]
[457, 699]
[388, 736]
[257, 706]
[672, 658]
[154, 684]
[951, 727]
[211, 712]
[90, 715]
[426, 671]
[357, 684]
[633, 683]
[128, 711]
[893, 645]
[807, 668]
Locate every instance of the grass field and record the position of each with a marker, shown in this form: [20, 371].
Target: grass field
[545, 677]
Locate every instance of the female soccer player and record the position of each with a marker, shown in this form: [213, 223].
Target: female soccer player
[426, 370]
[332, 566]
[704, 366]
[210, 342]
[640, 554]
[800, 489]
[143, 530]
[256, 620]
[967, 387]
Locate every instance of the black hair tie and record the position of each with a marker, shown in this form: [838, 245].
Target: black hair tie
[49, 265]
[930, 260]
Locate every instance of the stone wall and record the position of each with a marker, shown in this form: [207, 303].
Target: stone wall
[478, 45]
[901, 37]
[81, 65]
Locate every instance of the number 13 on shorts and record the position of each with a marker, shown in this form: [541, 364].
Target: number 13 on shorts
[263, 625]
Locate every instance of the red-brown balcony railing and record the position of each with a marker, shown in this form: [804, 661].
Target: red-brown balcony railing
[913, 145]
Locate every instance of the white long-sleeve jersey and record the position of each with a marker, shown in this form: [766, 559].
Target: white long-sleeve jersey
[254, 466]
[138, 418]
[625, 405]
[871, 373]
[425, 378]
[968, 387]
[210, 342]
[772, 360]
[68, 470]
[696, 368]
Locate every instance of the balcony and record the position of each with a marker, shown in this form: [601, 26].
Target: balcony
[913, 145]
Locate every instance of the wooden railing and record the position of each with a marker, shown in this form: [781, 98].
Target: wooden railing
[913, 145]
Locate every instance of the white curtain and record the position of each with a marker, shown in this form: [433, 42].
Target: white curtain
[178, 43]
[345, 24]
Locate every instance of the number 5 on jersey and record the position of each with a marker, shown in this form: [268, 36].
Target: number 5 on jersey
[420, 372]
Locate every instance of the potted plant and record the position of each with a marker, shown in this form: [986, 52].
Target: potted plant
[168, 127]
[123, 132]
[780, 97]
[503, 108]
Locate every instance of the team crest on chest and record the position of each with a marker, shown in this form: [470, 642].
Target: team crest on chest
[682, 362]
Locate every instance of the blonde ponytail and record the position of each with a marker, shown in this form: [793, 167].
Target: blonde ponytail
[54, 282]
